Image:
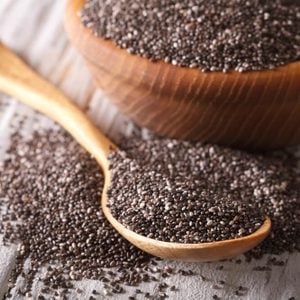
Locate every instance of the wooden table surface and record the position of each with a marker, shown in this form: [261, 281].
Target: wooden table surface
[34, 29]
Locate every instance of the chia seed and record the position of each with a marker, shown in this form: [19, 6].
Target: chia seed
[216, 35]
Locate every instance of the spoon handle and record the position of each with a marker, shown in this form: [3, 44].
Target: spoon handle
[20, 81]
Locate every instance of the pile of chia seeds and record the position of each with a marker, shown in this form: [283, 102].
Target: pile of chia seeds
[185, 192]
[50, 191]
[215, 35]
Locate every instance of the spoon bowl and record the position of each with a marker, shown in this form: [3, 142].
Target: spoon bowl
[21, 82]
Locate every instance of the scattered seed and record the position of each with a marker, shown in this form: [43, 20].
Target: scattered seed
[56, 195]
[57, 190]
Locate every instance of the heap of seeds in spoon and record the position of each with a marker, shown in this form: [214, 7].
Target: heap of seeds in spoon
[185, 192]
[215, 35]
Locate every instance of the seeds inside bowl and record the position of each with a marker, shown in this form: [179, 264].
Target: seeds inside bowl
[185, 192]
[215, 35]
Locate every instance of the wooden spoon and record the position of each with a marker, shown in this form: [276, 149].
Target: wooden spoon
[21, 82]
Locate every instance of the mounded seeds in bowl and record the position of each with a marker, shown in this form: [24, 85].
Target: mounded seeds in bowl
[216, 35]
[177, 191]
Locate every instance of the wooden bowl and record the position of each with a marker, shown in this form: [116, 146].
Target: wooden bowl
[258, 110]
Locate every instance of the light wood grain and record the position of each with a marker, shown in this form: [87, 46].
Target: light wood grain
[249, 110]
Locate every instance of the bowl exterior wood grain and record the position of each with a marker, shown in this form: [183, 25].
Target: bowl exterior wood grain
[250, 110]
